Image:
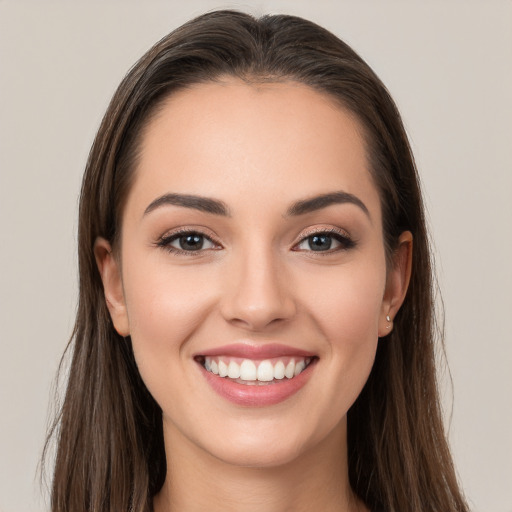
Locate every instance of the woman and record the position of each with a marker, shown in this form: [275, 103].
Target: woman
[254, 330]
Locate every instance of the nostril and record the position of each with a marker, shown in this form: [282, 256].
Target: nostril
[259, 296]
[255, 323]
[259, 316]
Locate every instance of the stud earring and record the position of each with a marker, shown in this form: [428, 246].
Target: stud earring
[388, 318]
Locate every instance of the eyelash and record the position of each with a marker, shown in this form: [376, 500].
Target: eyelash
[341, 237]
[165, 242]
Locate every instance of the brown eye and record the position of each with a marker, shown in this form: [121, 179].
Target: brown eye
[189, 242]
[186, 242]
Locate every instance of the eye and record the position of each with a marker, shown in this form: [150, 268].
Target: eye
[186, 242]
[330, 241]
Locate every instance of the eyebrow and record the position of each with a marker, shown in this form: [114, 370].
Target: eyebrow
[217, 207]
[322, 201]
[203, 204]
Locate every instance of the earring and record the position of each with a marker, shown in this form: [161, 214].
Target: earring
[388, 319]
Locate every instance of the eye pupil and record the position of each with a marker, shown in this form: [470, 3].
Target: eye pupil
[320, 242]
[192, 242]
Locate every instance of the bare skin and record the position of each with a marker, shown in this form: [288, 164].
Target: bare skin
[263, 270]
[314, 481]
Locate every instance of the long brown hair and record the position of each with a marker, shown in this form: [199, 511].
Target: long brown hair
[110, 452]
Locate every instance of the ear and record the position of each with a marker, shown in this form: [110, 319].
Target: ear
[110, 272]
[397, 283]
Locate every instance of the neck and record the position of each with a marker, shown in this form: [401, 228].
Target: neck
[316, 480]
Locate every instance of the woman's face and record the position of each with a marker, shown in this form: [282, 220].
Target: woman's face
[252, 245]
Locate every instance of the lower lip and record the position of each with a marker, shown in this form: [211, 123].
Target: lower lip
[258, 395]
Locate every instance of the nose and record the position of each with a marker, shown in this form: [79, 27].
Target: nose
[257, 292]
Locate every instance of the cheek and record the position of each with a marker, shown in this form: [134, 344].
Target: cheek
[165, 306]
[347, 304]
[347, 314]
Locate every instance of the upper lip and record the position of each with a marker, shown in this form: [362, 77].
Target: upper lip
[259, 351]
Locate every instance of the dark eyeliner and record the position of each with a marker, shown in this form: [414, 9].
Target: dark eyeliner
[345, 241]
[164, 242]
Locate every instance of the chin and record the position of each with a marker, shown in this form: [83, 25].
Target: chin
[260, 454]
[271, 445]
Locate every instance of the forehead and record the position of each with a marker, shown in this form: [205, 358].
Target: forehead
[230, 139]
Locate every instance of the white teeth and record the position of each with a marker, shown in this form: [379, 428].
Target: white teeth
[290, 369]
[279, 370]
[248, 370]
[223, 369]
[265, 371]
[233, 370]
[299, 367]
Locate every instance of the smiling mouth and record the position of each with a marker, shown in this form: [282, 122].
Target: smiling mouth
[253, 372]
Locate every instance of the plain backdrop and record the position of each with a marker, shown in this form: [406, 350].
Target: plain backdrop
[448, 64]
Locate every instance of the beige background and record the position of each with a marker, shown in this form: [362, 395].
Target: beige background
[449, 66]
